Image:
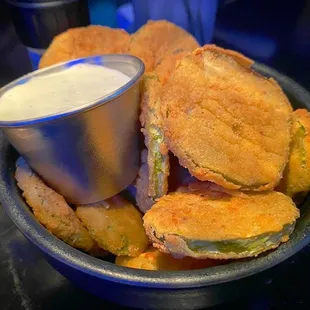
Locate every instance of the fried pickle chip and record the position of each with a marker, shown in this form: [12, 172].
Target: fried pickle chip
[153, 259]
[52, 211]
[200, 225]
[296, 177]
[157, 170]
[166, 66]
[83, 42]
[226, 123]
[116, 225]
[156, 39]
[243, 60]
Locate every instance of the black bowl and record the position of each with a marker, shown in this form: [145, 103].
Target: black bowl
[148, 289]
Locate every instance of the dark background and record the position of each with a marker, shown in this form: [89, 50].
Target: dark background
[270, 31]
[275, 32]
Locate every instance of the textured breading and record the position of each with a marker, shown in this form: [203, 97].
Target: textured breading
[157, 152]
[83, 42]
[51, 209]
[157, 38]
[166, 66]
[153, 259]
[143, 200]
[116, 225]
[243, 60]
[296, 177]
[180, 219]
[180, 41]
[226, 123]
[212, 189]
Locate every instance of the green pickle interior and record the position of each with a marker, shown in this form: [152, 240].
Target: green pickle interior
[249, 245]
[156, 138]
[298, 143]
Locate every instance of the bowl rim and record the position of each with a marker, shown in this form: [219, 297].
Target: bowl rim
[92, 60]
[20, 214]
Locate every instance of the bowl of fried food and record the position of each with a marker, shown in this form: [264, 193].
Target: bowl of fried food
[221, 194]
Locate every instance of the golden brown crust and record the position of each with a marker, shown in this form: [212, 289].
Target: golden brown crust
[154, 177]
[167, 65]
[152, 259]
[296, 178]
[199, 216]
[225, 218]
[243, 60]
[116, 225]
[226, 123]
[85, 41]
[157, 38]
[51, 210]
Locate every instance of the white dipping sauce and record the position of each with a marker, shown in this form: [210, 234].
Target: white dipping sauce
[66, 90]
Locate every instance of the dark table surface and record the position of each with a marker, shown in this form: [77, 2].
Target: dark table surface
[28, 282]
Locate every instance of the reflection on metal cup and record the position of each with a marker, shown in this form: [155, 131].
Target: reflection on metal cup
[89, 154]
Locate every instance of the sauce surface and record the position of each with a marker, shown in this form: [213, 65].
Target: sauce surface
[58, 92]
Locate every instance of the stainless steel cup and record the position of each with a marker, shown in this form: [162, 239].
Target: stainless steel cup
[92, 153]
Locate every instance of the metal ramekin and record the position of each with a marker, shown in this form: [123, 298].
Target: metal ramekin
[89, 154]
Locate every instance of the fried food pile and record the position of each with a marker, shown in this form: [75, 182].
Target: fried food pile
[85, 41]
[224, 161]
[152, 43]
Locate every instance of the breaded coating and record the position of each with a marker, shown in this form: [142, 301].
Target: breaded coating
[223, 227]
[144, 201]
[296, 177]
[212, 189]
[167, 65]
[51, 209]
[157, 152]
[116, 225]
[153, 259]
[156, 39]
[83, 42]
[181, 41]
[226, 123]
[243, 60]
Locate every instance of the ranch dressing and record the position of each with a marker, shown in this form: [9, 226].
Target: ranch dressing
[59, 92]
